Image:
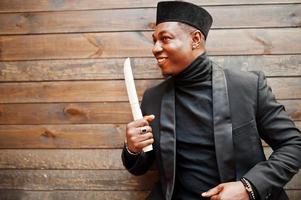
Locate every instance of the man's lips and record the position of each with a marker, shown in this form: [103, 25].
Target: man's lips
[161, 60]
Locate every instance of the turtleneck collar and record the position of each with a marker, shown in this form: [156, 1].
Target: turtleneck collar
[198, 71]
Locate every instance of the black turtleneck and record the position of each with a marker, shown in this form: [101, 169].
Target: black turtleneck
[196, 168]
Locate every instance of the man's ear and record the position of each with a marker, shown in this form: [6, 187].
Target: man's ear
[197, 38]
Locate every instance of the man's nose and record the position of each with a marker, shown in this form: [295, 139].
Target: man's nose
[157, 48]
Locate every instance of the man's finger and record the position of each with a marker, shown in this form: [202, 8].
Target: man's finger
[141, 122]
[213, 191]
[140, 138]
[137, 123]
[144, 143]
[149, 118]
[144, 129]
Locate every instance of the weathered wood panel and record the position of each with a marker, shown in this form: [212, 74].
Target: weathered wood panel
[62, 136]
[294, 194]
[51, 5]
[65, 136]
[143, 68]
[76, 180]
[75, 91]
[100, 195]
[87, 180]
[279, 65]
[281, 86]
[139, 44]
[75, 152]
[91, 113]
[295, 183]
[65, 113]
[86, 159]
[71, 195]
[67, 158]
[293, 108]
[117, 20]
[105, 91]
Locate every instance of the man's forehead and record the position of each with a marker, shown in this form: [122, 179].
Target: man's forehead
[167, 27]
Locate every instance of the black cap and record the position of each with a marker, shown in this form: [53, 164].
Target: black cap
[188, 13]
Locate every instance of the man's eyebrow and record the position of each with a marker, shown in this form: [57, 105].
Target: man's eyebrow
[160, 33]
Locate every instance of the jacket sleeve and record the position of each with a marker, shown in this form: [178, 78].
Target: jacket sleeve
[138, 164]
[278, 130]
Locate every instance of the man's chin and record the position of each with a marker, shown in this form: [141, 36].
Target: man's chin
[164, 72]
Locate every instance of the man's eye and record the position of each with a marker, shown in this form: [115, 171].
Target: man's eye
[165, 39]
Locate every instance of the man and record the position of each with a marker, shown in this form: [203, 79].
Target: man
[205, 122]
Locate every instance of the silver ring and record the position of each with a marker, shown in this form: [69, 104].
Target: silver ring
[143, 130]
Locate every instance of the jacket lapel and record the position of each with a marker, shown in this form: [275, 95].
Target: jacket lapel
[222, 131]
[167, 139]
[222, 125]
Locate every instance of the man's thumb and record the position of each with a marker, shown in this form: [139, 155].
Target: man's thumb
[149, 118]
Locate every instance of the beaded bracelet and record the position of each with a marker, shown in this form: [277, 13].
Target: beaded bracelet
[248, 188]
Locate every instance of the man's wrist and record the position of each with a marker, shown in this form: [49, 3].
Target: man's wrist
[248, 188]
[129, 151]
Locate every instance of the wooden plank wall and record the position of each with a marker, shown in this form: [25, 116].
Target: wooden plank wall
[63, 106]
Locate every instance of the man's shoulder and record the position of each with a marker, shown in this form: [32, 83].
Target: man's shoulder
[152, 97]
[243, 82]
[243, 78]
[233, 73]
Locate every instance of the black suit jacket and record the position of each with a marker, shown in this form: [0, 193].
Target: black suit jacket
[244, 110]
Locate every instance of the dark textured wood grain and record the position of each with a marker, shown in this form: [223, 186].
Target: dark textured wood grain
[117, 20]
[139, 44]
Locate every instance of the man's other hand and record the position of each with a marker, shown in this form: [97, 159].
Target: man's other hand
[227, 191]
